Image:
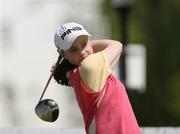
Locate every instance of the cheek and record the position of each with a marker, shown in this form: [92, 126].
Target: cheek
[90, 49]
[74, 60]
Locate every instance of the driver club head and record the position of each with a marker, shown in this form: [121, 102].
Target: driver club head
[47, 110]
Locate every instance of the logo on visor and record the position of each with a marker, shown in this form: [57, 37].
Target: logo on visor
[68, 31]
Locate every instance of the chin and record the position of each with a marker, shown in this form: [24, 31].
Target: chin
[77, 63]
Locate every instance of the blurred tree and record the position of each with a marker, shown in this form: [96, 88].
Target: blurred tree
[156, 24]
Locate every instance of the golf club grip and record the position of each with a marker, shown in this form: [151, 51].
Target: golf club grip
[50, 77]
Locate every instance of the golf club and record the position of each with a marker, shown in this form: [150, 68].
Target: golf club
[47, 109]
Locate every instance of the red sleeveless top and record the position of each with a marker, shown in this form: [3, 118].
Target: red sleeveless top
[114, 114]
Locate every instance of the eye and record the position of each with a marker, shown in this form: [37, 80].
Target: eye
[84, 45]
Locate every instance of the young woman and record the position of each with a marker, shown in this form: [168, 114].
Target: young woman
[86, 65]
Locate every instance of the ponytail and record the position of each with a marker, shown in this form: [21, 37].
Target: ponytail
[62, 67]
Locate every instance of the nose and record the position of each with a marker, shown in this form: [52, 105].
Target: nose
[83, 53]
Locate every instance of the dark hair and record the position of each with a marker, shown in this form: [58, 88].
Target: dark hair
[62, 67]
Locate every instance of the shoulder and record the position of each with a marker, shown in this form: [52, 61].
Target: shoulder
[90, 62]
[94, 70]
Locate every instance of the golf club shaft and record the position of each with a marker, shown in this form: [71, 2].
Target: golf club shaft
[50, 77]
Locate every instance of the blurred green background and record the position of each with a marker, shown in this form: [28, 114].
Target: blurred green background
[156, 24]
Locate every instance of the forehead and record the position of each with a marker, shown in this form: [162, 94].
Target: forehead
[80, 39]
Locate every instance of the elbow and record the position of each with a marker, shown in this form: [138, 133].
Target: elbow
[119, 46]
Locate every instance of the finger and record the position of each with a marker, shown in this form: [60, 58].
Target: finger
[59, 51]
[53, 67]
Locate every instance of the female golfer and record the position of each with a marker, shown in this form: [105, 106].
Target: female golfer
[87, 66]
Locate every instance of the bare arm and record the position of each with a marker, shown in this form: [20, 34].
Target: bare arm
[110, 47]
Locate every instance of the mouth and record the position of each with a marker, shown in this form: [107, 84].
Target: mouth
[84, 57]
